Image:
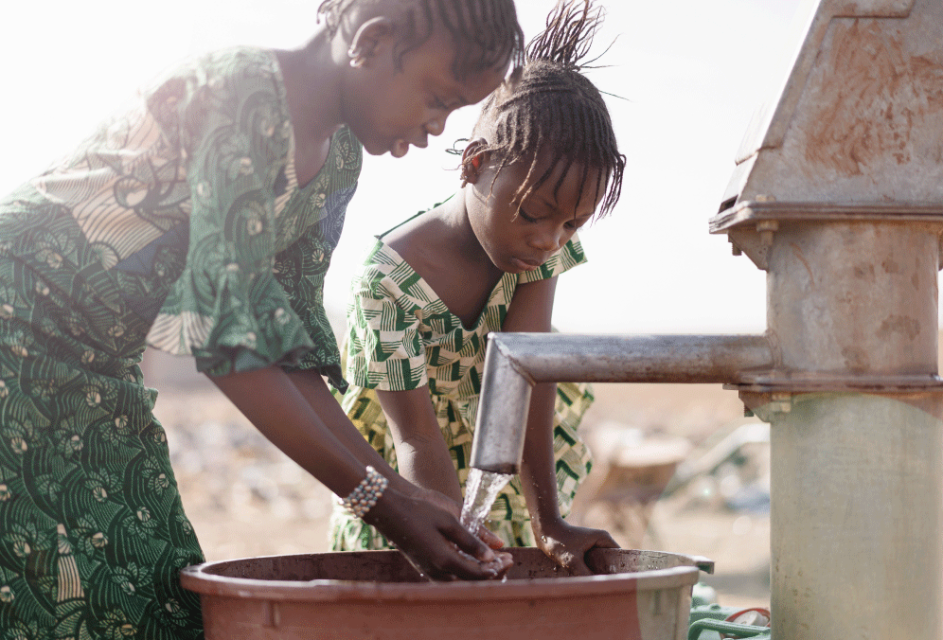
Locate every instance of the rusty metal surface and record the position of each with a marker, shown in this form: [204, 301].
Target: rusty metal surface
[854, 299]
[770, 122]
[860, 117]
[838, 196]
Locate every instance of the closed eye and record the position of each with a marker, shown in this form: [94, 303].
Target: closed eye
[529, 218]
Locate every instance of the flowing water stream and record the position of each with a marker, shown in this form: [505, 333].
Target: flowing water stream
[481, 489]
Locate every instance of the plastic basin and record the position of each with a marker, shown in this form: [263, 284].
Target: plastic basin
[377, 595]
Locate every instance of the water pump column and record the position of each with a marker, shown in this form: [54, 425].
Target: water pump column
[856, 437]
[838, 195]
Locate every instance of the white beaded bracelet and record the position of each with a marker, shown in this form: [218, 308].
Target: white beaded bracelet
[364, 497]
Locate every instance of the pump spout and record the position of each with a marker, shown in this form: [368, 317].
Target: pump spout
[516, 361]
[501, 425]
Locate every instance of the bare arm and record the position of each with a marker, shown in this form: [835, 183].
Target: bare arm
[296, 419]
[319, 398]
[421, 452]
[531, 310]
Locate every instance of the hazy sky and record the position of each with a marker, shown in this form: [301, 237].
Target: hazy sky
[688, 73]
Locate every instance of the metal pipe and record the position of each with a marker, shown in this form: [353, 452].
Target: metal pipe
[515, 361]
[549, 357]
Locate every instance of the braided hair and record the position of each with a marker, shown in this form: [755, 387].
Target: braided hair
[549, 105]
[486, 32]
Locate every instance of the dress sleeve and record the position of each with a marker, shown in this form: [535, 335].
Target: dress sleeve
[385, 350]
[301, 269]
[228, 116]
[563, 260]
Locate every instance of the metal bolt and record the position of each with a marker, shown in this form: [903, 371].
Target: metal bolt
[766, 229]
[781, 402]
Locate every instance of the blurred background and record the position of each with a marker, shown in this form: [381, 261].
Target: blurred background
[682, 470]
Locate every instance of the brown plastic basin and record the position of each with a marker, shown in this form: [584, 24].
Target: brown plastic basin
[377, 595]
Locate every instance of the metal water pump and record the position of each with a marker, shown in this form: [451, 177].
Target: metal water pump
[838, 196]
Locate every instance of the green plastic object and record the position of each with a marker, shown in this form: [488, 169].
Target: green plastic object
[700, 630]
[708, 622]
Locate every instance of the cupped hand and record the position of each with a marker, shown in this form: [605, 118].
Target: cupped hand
[455, 508]
[434, 540]
[567, 544]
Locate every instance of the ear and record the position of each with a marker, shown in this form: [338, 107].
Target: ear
[368, 40]
[474, 160]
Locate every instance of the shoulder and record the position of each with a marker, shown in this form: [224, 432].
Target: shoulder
[218, 68]
[377, 275]
[386, 279]
[242, 83]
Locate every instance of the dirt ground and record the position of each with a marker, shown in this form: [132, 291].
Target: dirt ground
[246, 498]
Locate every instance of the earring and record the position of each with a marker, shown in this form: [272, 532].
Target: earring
[474, 162]
[356, 60]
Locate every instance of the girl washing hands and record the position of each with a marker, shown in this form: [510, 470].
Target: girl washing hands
[542, 162]
[201, 222]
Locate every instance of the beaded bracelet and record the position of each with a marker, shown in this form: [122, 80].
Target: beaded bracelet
[365, 495]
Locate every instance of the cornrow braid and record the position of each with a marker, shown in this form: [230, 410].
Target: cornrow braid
[486, 32]
[549, 105]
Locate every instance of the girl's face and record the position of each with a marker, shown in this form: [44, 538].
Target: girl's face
[389, 109]
[521, 237]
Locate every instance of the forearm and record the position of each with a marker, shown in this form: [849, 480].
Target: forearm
[319, 397]
[426, 462]
[421, 452]
[281, 412]
[538, 467]
[293, 421]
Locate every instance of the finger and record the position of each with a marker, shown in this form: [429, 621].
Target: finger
[574, 562]
[467, 542]
[577, 567]
[468, 568]
[490, 538]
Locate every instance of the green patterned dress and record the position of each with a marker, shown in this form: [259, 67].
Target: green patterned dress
[179, 224]
[401, 336]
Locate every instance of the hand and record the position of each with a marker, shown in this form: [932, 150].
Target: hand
[444, 502]
[567, 544]
[435, 541]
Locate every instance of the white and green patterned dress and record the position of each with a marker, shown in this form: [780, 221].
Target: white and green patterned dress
[401, 336]
[179, 224]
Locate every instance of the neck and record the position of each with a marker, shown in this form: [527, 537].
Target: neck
[312, 86]
[457, 232]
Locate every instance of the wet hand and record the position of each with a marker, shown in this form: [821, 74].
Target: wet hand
[434, 540]
[455, 508]
[567, 544]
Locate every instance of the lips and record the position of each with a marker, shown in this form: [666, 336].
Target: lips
[527, 264]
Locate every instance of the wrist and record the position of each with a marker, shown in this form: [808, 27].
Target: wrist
[548, 525]
[366, 494]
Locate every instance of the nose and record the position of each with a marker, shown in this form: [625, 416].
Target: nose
[549, 240]
[435, 126]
